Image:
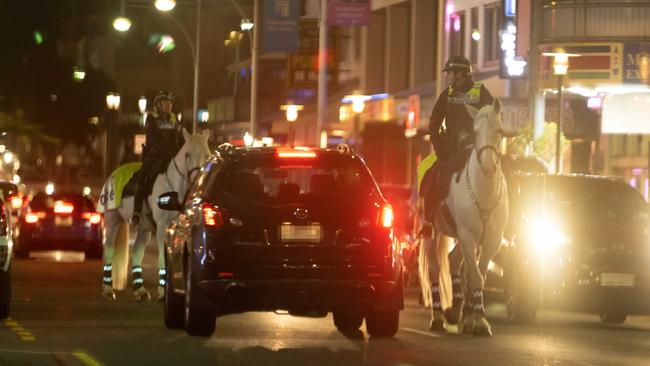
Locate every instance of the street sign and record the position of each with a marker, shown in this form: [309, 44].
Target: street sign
[302, 66]
[348, 13]
[280, 28]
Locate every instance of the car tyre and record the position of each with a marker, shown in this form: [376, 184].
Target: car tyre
[382, 324]
[5, 291]
[198, 320]
[173, 304]
[613, 317]
[521, 294]
[346, 321]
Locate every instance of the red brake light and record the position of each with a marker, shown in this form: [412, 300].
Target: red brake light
[296, 152]
[386, 219]
[212, 216]
[33, 217]
[93, 217]
[16, 202]
[61, 207]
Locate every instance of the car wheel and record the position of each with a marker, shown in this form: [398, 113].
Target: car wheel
[613, 317]
[521, 295]
[347, 320]
[198, 321]
[382, 323]
[5, 291]
[173, 305]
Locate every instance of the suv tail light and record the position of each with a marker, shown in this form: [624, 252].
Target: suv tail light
[296, 152]
[93, 217]
[212, 216]
[33, 217]
[386, 217]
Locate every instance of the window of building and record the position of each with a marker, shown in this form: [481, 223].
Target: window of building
[456, 38]
[491, 33]
[475, 35]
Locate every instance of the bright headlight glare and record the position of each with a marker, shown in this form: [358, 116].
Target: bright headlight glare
[545, 234]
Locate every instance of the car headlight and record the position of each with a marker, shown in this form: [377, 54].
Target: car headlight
[545, 234]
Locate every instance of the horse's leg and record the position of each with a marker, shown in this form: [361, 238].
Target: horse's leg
[437, 318]
[491, 246]
[112, 222]
[468, 246]
[452, 314]
[141, 239]
[161, 235]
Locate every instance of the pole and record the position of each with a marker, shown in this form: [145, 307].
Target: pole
[196, 66]
[558, 135]
[321, 113]
[257, 20]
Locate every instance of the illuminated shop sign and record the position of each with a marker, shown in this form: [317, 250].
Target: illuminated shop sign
[512, 66]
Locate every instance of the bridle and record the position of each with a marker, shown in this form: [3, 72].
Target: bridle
[488, 147]
[188, 175]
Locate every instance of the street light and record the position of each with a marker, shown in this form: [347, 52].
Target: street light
[246, 24]
[113, 105]
[291, 116]
[122, 24]
[165, 5]
[560, 68]
[358, 102]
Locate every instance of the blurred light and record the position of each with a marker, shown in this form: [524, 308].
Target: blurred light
[93, 217]
[16, 201]
[291, 111]
[205, 116]
[179, 117]
[267, 141]
[248, 139]
[585, 92]
[49, 188]
[633, 182]
[86, 191]
[165, 5]
[166, 44]
[246, 24]
[38, 37]
[122, 24]
[339, 133]
[3, 148]
[560, 61]
[595, 103]
[323, 139]
[53, 98]
[113, 101]
[457, 24]
[344, 113]
[476, 35]
[545, 234]
[63, 207]
[94, 120]
[8, 157]
[78, 74]
[16, 179]
[142, 104]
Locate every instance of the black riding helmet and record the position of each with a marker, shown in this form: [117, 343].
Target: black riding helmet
[163, 95]
[458, 63]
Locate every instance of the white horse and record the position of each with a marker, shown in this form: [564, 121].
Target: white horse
[478, 206]
[177, 177]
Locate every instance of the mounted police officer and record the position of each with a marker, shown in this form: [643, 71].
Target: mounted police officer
[164, 138]
[458, 130]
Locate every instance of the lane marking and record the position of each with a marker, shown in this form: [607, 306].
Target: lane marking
[86, 358]
[420, 332]
[24, 334]
[28, 338]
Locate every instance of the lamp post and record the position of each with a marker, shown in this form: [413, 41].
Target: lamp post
[560, 68]
[113, 105]
[291, 115]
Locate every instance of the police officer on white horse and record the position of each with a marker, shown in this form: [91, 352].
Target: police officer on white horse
[449, 141]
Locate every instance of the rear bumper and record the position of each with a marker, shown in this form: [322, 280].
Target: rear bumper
[302, 296]
[595, 299]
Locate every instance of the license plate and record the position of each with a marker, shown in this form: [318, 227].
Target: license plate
[617, 279]
[301, 233]
[63, 221]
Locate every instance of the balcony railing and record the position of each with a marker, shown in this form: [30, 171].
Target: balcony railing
[596, 20]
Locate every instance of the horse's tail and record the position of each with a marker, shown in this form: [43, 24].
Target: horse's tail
[442, 252]
[423, 270]
[121, 256]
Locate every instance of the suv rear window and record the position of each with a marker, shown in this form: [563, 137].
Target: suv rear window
[44, 202]
[276, 181]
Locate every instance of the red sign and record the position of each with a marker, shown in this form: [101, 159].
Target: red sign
[412, 119]
[348, 13]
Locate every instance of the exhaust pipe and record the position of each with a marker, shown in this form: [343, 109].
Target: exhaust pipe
[235, 293]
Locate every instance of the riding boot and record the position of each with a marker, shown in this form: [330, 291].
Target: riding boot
[137, 279]
[108, 275]
[452, 314]
[437, 323]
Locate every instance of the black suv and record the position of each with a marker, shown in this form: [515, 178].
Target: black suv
[303, 231]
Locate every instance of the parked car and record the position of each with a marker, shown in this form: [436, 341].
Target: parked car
[283, 229]
[66, 221]
[6, 247]
[582, 245]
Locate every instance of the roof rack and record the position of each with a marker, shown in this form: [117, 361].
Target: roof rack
[345, 149]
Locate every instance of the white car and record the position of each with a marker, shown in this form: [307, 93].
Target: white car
[6, 246]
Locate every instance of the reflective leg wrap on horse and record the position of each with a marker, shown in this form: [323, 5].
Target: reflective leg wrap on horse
[162, 274]
[452, 314]
[437, 316]
[137, 279]
[108, 275]
[476, 302]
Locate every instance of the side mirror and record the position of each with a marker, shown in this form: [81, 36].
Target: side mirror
[8, 188]
[169, 202]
